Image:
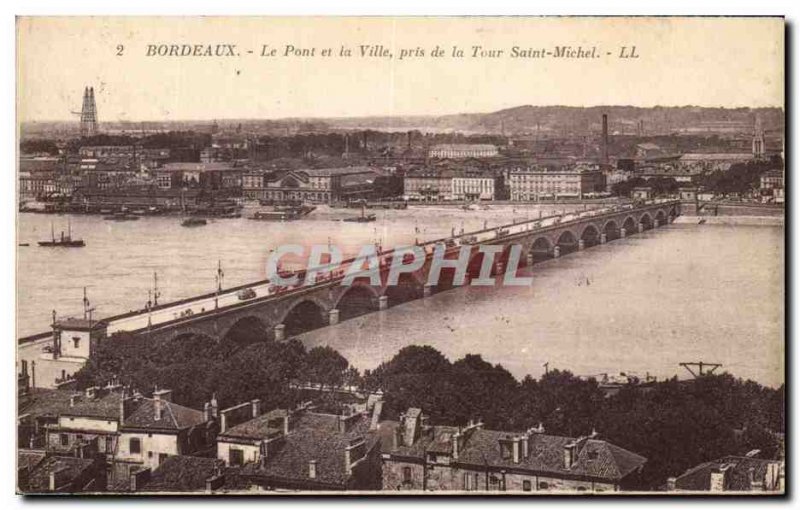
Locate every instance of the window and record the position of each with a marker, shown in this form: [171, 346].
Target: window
[235, 457]
[526, 485]
[135, 445]
[77, 341]
[406, 475]
[64, 439]
[161, 458]
[543, 486]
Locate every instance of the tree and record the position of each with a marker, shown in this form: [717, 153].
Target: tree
[325, 366]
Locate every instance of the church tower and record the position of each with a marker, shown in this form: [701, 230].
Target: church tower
[759, 149]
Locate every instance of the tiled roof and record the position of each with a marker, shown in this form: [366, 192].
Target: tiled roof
[39, 478]
[464, 146]
[698, 478]
[173, 417]
[257, 428]
[51, 403]
[29, 459]
[312, 437]
[183, 473]
[197, 167]
[595, 458]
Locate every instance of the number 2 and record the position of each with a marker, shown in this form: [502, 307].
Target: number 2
[120, 48]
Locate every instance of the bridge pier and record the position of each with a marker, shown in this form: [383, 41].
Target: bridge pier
[383, 302]
[530, 259]
[333, 317]
[498, 267]
[655, 223]
[427, 291]
[581, 244]
[280, 333]
[556, 252]
[603, 238]
[623, 233]
[641, 227]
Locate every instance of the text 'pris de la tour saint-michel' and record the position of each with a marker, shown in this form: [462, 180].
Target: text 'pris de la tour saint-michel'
[381, 51]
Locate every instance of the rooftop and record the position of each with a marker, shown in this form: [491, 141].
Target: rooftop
[173, 417]
[737, 477]
[594, 458]
[183, 473]
[314, 437]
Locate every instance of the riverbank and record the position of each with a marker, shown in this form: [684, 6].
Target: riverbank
[771, 221]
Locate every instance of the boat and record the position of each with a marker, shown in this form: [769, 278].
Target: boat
[193, 222]
[273, 216]
[121, 216]
[65, 241]
[23, 244]
[364, 218]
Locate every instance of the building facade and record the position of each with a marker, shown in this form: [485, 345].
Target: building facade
[536, 183]
[463, 150]
[419, 457]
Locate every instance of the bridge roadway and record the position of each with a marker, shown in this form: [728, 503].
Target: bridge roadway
[541, 238]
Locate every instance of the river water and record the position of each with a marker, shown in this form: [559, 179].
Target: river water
[683, 292]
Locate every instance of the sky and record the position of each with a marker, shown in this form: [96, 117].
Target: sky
[728, 62]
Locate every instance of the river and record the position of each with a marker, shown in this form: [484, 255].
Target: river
[683, 292]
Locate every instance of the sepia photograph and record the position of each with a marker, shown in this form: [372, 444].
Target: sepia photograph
[400, 256]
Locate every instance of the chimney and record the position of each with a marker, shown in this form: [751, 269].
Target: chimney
[671, 483]
[751, 477]
[605, 139]
[515, 450]
[569, 454]
[91, 392]
[207, 411]
[214, 406]
[160, 398]
[139, 478]
[256, 407]
[456, 439]
[164, 395]
[312, 469]
[73, 399]
[524, 445]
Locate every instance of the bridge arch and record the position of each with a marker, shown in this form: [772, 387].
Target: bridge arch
[567, 242]
[661, 216]
[409, 287]
[357, 300]
[246, 330]
[541, 249]
[673, 212]
[630, 225]
[611, 230]
[646, 220]
[590, 235]
[304, 315]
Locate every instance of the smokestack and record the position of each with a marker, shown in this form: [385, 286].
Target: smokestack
[605, 139]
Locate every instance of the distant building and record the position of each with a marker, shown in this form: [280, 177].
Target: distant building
[463, 150]
[315, 185]
[105, 151]
[701, 162]
[421, 457]
[541, 182]
[207, 176]
[732, 474]
[428, 184]
[772, 186]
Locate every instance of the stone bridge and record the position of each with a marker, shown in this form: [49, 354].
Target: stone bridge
[284, 315]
